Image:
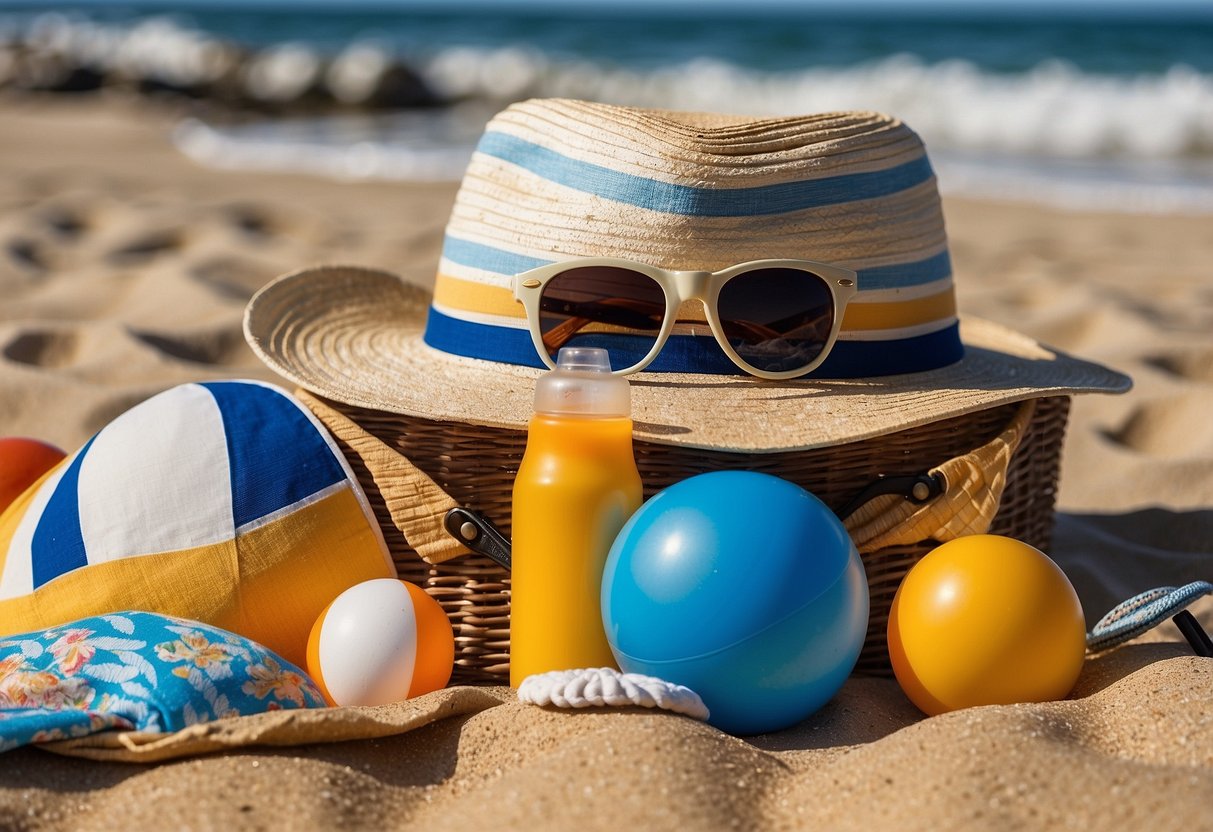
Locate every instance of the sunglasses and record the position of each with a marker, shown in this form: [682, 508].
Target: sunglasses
[775, 319]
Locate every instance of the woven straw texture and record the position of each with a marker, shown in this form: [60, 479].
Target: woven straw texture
[354, 335]
[476, 465]
[551, 217]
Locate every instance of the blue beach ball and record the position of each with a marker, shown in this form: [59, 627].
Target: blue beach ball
[745, 588]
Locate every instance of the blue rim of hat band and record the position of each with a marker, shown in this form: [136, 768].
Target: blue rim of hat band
[697, 354]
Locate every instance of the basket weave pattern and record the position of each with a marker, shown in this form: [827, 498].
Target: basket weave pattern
[476, 466]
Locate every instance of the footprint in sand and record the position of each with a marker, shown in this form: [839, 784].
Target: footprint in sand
[46, 349]
[1192, 365]
[1103, 325]
[146, 246]
[232, 277]
[251, 220]
[64, 222]
[26, 254]
[1171, 427]
[220, 346]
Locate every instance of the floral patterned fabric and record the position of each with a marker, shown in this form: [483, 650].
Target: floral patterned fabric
[137, 671]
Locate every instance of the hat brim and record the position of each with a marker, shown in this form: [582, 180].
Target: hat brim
[354, 335]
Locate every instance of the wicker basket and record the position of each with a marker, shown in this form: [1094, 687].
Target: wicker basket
[476, 466]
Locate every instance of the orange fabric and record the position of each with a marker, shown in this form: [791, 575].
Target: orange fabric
[268, 584]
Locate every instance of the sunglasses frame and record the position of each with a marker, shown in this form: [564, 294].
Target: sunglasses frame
[681, 286]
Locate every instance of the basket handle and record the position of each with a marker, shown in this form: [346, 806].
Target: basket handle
[974, 484]
[973, 488]
[416, 503]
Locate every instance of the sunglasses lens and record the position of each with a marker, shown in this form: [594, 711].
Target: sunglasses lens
[777, 319]
[617, 309]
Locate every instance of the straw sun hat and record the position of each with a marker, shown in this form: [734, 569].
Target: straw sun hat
[429, 396]
[554, 180]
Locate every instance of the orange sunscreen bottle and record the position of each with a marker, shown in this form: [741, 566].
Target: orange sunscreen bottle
[576, 487]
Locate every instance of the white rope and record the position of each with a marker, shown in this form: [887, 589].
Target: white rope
[605, 687]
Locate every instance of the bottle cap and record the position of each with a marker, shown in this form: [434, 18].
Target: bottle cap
[582, 385]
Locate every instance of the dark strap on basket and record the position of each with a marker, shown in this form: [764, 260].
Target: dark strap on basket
[917, 488]
[478, 534]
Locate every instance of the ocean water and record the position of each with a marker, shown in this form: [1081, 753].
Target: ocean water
[1086, 110]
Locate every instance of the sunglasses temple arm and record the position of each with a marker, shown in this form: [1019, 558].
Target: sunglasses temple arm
[558, 336]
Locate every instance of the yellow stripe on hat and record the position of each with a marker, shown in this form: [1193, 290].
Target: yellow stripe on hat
[456, 295]
[899, 314]
[466, 296]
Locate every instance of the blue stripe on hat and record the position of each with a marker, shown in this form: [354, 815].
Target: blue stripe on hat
[275, 453]
[671, 198]
[697, 354]
[901, 275]
[488, 258]
[895, 276]
[58, 543]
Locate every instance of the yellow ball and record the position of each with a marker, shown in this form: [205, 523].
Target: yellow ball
[985, 620]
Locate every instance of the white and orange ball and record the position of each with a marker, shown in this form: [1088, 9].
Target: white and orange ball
[380, 641]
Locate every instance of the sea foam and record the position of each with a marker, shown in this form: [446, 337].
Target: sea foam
[1052, 133]
[1052, 110]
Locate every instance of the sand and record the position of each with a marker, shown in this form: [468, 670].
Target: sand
[124, 269]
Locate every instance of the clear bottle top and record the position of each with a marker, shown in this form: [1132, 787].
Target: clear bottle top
[582, 385]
